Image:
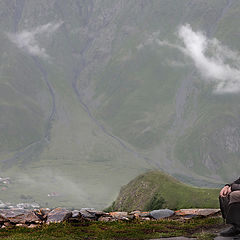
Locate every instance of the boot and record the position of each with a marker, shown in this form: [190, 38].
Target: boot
[231, 232]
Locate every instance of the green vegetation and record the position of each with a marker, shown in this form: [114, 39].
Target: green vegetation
[199, 228]
[157, 190]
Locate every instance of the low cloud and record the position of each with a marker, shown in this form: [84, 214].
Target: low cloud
[27, 40]
[214, 61]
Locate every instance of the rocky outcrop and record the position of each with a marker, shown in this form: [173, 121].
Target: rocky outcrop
[37, 217]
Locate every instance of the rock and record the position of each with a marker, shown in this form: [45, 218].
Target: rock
[8, 224]
[42, 213]
[58, 215]
[162, 213]
[106, 219]
[3, 219]
[76, 216]
[32, 226]
[19, 216]
[89, 213]
[21, 225]
[120, 215]
[197, 212]
[96, 212]
[145, 214]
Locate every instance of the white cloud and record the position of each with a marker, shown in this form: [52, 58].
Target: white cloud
[27, 40]
[214, 61]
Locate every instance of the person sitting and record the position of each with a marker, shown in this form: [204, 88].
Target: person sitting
[229, 198]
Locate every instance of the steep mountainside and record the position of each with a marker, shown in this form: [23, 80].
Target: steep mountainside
[95, 92]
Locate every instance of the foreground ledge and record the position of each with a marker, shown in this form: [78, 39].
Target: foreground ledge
[37, 217]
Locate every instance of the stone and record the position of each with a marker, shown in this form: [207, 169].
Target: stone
[42, 213]
[145, 214]
[120, 215]
[161, 213]
[197, 212]
[32, 226]
[76, 216]
[19, 215]
[96, 212]
[8, 224]
[21, 225]
[89, 213]
[3, 219]
[106, 219]
[58, 215]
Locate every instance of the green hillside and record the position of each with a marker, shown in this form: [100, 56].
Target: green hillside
[157, 190]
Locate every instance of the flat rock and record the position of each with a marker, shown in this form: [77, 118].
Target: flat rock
[161, 213]
[197, 212]
[119, 215]
[139, 214]
[58, 215]
[19, 216]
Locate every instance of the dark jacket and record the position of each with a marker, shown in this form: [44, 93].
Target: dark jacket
[235, 186]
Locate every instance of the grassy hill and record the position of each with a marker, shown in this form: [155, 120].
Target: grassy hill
[157, 190]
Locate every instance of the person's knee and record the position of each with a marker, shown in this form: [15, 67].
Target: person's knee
[234, 197]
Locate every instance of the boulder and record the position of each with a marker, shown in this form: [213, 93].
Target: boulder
[76, 216]
[19, 216]
[90, 213]
[161, 213]
[58, 215]
[197, 212]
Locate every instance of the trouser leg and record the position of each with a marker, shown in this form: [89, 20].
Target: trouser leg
[224, 203]
[233, 211]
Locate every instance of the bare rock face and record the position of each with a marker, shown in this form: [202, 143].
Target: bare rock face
[19, 216]
[58, 215]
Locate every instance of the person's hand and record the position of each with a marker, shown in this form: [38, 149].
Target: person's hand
[225, 191]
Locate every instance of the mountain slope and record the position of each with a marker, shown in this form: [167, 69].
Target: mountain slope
[94, 93]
